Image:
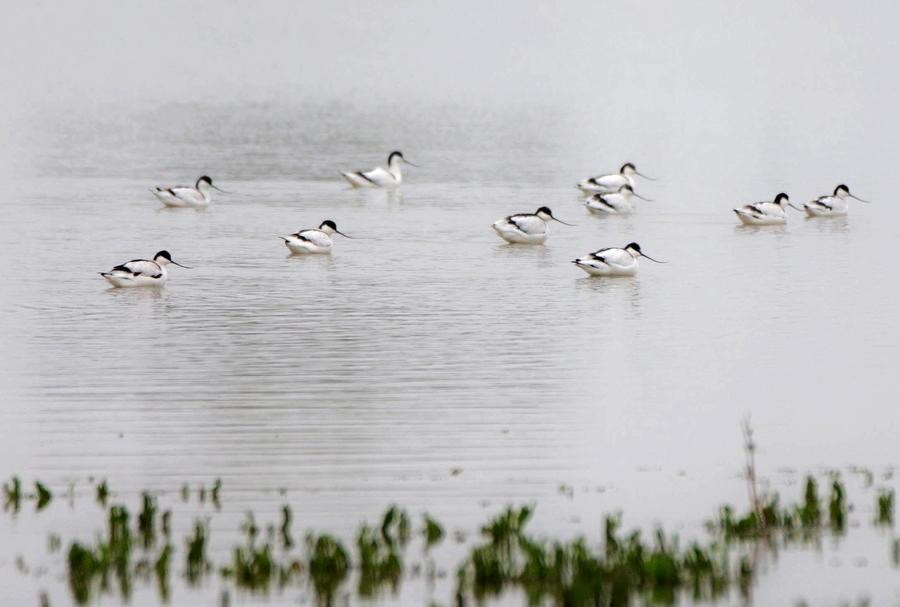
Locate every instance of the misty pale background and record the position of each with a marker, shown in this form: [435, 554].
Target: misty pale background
[428, 364]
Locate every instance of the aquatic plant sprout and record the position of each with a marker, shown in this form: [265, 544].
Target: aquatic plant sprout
[616, 569]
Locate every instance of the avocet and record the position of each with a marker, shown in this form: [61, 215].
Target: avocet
[184, 196]
[141, 272]
[616, 203]
[526, 228]
[379, 177]
[316, 240]
[613, 262]
[831, 206]
[612, 182]
[765, 213]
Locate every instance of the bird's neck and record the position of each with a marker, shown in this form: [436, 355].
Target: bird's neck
[394, 168]
[203, 188]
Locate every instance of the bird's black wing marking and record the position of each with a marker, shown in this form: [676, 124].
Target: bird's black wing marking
[361, 174]
[599, 198]
[755, 209]
[512, 220]
[121, 269]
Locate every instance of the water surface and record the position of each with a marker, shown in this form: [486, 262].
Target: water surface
[427, 362]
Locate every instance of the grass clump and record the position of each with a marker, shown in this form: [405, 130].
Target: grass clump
[380, 554]
[254, 567]
[42, 495]
[433, 532]
[395, 527]
[12, 494]
[767, 518]
[197, 564]
[804, 520]
[214, 493]
[161, 570]
[286, 519]
[102, 493]
[147, 520]
[837, 507]
[884, 508]
[573, 573]
[90, 567]
[328, 565]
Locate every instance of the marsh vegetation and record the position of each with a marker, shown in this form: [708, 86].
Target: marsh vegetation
[506, 559]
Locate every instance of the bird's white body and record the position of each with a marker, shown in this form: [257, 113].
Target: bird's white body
[378, 177]
[309, 242]
[522, 229]
[184, 196]
[315, 241]
[615, 203]
[609, 262]
[125, 279]
[827, 206]
[762, 214]
[606, 183]
[613, 182]
[835, 205]
[140, 272]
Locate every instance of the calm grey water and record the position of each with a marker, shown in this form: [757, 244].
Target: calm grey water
[427, 345]
[427, 363]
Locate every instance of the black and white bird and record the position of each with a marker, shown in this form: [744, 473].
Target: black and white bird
[613, 262]
[141, 272]
[314, 240]
[379, 177]
[831, 206]
[526, 228]
[185, 196]
[613, 181]
[615, 203]
[766, 212]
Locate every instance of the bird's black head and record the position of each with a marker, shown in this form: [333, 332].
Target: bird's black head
[843, 187]
[328, 224]
[633, 246]
[164, 254]
[780, 197]
[627, 188]
[206, 179]
[545, 210]
[395, 153]
[626, 167]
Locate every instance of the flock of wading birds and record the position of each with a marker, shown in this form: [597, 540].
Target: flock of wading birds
[607, 194]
